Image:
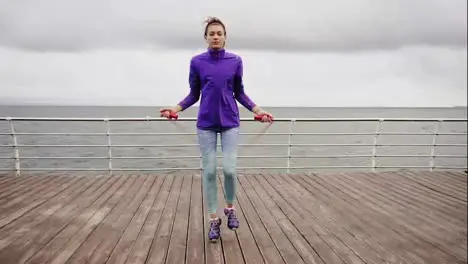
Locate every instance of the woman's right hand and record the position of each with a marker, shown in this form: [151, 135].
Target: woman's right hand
[266, 117]
[166, 112]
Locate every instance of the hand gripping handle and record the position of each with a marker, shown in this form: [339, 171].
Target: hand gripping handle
[260, 117]
[172, 115]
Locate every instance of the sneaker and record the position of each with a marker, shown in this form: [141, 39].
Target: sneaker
[214, 232]
[233, 222]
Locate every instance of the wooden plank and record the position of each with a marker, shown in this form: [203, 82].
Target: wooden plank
[389, 216]
[449, 181]
[306, 245]
[83, 210]
[360, 195]
[281, 240]
[405, 202]
[34, 201]
[89, 220]
[324, 218]
[430, 206]
[6, 178]
[158, 251]
[328, 211]
[249, 251]
[86, 252]
[10, 184]
[112, 233]
[430, 184]
[328, 246]
[433, 232]
[297, 239]
[140, 250]
[231, 248]
[4, 175]
[447, 176]
[28, 222]
[178, 241]
[213, 251]
[28, 190]
[22, 225]
[123, 248]
[195, 250]
[427, 208]
[366, 236]
[29, 241]
[22, 184]
[442, 179]
[459, 175]
[263, 239]
[449, 201]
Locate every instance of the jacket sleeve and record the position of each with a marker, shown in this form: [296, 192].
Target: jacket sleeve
[194, 83]
[239, 92]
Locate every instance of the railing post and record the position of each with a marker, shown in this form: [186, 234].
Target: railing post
[434, 138]
[15, 147]
[109, 145]
[291, 124]
[374, 147]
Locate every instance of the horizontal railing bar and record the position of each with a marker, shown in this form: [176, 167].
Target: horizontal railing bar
[246, 133]
[421, 156]
[54, 134]
[240, 168]
[242, 145]
[251, 157]
[103, 169]
[108, 145]
[101, 119]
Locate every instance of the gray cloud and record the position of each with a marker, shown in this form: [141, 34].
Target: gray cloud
[296, 25]
[404, 52]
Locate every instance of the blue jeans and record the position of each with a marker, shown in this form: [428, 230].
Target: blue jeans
[208, 147]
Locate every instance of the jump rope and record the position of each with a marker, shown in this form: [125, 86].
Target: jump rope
[260, 118]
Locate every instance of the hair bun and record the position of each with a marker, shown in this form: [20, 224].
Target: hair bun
[210, 20]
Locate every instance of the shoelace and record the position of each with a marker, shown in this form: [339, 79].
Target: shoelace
[231, 215]
[214, 224]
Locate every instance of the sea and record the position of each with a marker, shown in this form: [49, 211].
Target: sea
[148, 156]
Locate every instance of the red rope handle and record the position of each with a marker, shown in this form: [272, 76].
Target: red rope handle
[260, 117]
[172, 115]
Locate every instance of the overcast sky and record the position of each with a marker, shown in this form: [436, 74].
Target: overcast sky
[303, 53]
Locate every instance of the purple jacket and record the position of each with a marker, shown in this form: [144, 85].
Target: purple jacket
[217, 76]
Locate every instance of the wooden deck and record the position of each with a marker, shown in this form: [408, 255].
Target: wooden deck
[304, 218]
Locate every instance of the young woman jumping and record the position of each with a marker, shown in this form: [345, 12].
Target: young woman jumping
[217, 76]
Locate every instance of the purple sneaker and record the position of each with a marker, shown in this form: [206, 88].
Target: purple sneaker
[233, 222]
[214, 232]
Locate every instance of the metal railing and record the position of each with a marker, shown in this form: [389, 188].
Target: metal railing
[373, 155]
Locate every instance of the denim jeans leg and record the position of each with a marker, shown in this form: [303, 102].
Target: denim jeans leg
[208, 140]
[229, 141]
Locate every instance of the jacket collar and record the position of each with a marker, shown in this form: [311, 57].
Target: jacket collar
[216, 53]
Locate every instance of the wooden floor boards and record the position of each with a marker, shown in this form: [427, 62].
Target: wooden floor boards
[363, 218]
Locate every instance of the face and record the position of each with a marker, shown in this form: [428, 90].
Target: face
[215, 36]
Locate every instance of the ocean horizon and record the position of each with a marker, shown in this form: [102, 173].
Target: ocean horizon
[35, 109]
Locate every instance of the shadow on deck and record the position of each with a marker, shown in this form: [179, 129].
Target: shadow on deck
[405, 217]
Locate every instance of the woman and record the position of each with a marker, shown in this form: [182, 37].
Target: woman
[217, 76]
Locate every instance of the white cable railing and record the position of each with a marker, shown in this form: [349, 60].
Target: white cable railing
[376, 135]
